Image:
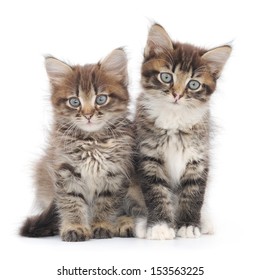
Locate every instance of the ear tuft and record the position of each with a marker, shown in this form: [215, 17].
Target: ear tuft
[216, 59]
[57, 70]
[116, 64]
[158, 40]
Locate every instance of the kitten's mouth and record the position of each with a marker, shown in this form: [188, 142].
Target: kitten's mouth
[90, 123]
[176, 102]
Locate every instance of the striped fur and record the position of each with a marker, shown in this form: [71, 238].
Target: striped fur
[83, 179]
[173, 130]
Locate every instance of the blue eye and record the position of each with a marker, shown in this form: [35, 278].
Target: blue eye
[101, 99]
[74, 102]
[193, 84]
[166, 77]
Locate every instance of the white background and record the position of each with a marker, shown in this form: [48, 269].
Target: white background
[84, 32]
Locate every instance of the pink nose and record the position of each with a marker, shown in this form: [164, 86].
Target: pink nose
[88, 117]
[176, 96]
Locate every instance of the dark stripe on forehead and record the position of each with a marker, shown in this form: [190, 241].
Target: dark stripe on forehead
[77, 84]
[93, 81]
[186, 64]
[187, 56]
[183, 60]
[77, 90]
[86, 74]
[95, 88]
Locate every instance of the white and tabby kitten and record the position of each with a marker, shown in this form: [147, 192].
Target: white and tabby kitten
[173, 125]
[83, 179]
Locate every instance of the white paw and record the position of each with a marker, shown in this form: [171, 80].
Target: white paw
[160, 232]
[140, 227]
[189, 232]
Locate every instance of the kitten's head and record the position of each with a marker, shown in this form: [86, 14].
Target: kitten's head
[92, 96]
[181, 74]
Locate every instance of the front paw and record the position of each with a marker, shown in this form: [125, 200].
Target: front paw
[160, 231]
[102, 230]
[125, 226]
[75, 233]
[189, 231]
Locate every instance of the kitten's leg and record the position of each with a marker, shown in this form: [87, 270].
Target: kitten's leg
[191, 196]
[105, 210]
[72, 206]
[134, 206]
[159, 198]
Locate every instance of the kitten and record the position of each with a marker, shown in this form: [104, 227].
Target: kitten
[173, 130]
[83, 179]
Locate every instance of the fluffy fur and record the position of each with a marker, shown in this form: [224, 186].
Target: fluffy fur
[173, 130]
[83, 179]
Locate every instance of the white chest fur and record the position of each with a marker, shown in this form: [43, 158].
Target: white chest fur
[178, 150]
[177, 117]
[177, 155]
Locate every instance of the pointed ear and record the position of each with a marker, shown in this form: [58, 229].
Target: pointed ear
[116, 64]
[216, 59]
[56, 69]
[158, 40]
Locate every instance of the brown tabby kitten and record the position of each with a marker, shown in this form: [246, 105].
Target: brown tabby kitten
[83, 179]
[173, 124]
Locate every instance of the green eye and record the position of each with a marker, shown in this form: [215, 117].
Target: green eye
[166, 77]
[101, 99]
[193, 84]
[74, 102]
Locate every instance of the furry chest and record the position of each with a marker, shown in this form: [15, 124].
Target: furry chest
[177, 153]
[95, 163]
[94, 160]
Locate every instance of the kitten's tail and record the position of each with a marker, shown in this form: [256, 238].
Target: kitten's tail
[44, 224]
